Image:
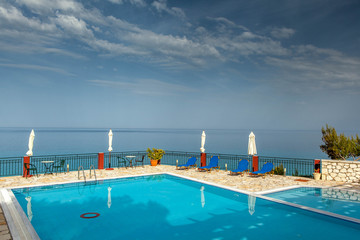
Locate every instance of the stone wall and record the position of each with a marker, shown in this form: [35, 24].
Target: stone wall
[342, 171]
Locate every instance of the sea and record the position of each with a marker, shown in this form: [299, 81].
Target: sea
[52, 141]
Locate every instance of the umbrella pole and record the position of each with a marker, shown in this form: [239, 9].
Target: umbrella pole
[110, 159]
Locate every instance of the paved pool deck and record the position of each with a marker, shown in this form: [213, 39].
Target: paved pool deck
[245, 183]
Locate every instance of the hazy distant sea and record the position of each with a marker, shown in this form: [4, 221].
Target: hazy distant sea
[303, 144]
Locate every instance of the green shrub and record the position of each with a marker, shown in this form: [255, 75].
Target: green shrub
[155, 154]
[279, 170]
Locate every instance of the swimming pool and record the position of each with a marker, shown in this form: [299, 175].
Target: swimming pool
[168, 207]
[339, 201]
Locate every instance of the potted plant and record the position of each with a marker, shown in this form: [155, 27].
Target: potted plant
[155, 155]
[317, 174]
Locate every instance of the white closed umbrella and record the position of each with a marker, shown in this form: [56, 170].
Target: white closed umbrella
[29, 211]
[202, 196]
[31, 143]
[110, 140]
[110, 147]
[251, 204]
[252, 144]
[203, 137]
[109, 197]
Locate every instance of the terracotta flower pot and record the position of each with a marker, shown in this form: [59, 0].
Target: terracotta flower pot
[153, 162]
[317, 176]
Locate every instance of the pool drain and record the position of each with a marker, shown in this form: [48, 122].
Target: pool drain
[90, 215]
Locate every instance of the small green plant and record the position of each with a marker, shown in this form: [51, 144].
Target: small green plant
[279, 170]
[155, 154]
[296, 173]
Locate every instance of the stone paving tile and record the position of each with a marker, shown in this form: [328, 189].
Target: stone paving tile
[246, 182]
[4, 229]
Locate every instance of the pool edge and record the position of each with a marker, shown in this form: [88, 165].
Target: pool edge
[19, 225]
[28, 226]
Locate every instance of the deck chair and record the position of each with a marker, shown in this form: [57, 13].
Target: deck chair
[242, 167]
[138, 161]
[190, 163]
[59, 166]
[28, 167]
[214, 163]
[266, 169]
[122, 161]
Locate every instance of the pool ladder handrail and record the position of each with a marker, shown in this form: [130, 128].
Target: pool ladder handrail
[83, 171]
[93, 168]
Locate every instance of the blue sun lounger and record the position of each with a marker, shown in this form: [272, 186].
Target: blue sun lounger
[242, 167]
[266, 169]
[214, 163]
[190, 163]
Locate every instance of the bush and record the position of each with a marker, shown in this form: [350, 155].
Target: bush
[279, 170]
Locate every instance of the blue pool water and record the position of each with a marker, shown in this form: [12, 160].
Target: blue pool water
[333, 200]
[168, 207]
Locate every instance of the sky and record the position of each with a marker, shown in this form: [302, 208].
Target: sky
[207, 64]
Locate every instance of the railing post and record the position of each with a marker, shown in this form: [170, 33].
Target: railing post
[203, 159]
[26, 160]
[100, 160]
[317, 167]
[255, 162]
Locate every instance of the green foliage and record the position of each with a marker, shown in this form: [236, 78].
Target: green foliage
[296, 172]
[279, 170]
[339, 146]
[155, 154]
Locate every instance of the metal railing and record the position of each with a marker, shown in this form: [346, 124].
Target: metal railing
[73, 160]
[14, 166]
[231, 160]
[11, 166]
[294, 166]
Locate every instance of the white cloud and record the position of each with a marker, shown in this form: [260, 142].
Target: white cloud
[138, 3]
[226, 23]
[171, 45]
[116, 1]
[161, 6]
[222, 40]
[145, 86]
[51, 5]
[73, 25]
[282, 32]
[312, 68]
[12, 15]
[35, 67]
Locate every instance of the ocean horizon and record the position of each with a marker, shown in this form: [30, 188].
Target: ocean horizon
[49, 141]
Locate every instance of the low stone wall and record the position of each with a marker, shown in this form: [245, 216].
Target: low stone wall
[341, 171]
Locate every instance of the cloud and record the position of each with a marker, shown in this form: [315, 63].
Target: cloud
[46, 6]
[111, 36]
[236, 41]
[117, 1]
[161, 6]
[138, 3]
[12, 15]
[213, 42]
[225, 23]
[145, 86]
[35, 67]
[315, 69]
[74, 26]
[282, 32]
